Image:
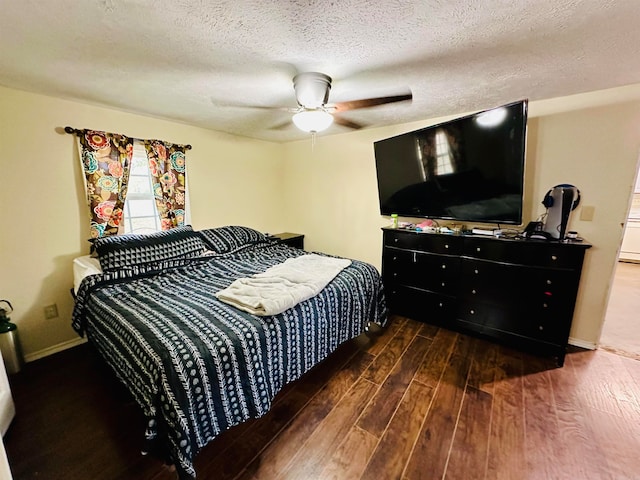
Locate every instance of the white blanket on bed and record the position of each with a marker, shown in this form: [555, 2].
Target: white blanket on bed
[284, 285]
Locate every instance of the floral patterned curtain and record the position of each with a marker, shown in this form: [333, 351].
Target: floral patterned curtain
[167, 166]
[106, 158]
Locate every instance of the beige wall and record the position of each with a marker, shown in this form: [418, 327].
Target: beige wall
[327, 192]
[332, 191]
[42, 205]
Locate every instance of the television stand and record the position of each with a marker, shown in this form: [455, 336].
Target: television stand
[518, 292]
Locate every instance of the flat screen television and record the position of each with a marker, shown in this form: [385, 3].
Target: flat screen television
[469, 169]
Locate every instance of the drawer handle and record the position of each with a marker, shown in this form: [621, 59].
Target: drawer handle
[477, 249]
[473, 291]
[440, 304]
[475, 271]
[554, 257]
[540, 327]
[446, 246]
[443, 284]
[395, 274]
[548, 282]
[395, 240]
[395, 258]
[472, 312]
[544, 305]
[444, 266]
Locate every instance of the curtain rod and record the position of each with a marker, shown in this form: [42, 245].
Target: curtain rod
[77, 132]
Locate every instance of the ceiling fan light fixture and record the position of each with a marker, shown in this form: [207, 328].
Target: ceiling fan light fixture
[312, 120]
[312, 89]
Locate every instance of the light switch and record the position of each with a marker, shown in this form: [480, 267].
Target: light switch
[586, 213]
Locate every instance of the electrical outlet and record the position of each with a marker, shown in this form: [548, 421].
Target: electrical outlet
[51, 311]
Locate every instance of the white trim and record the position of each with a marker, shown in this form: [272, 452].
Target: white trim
[45, 352]
[576, 342]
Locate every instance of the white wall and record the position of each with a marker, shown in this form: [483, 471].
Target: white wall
[332, 192]
[43, 209]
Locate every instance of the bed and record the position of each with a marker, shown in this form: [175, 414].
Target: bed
[196, 365]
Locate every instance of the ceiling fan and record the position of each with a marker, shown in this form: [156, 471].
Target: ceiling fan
[314, 114]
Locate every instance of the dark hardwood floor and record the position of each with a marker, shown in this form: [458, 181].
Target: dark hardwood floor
[414, 403]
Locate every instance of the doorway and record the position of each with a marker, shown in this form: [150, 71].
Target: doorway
[621, 330]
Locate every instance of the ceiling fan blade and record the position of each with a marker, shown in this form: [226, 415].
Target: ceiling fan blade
[281, 125]
[346, 123]
[370, 102]
[255, 107]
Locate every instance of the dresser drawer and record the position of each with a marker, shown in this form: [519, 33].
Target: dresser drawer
[517, 284]
[548, 304]
[438, 273]
[489, 281]
[397, 263]
[543, 325]
[420, 304]
[423, 242]
[554, 255]
[548, 327]
[488, 315]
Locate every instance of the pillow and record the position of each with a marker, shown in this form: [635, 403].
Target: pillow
[230, 238]
[82, 267]
[120, 251]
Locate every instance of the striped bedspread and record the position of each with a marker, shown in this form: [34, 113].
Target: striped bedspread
[198, 366]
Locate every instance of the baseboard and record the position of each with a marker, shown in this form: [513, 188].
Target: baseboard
[54, 349]
[576, 342]
[78, 341]
[629, 260]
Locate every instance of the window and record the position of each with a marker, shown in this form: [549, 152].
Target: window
[140, 212]
[443, 154]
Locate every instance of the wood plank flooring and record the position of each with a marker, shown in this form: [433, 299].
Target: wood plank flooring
[413, 402]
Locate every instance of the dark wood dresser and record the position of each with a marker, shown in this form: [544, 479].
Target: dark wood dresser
[519, 292]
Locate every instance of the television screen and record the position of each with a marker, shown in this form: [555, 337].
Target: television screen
[468, 169]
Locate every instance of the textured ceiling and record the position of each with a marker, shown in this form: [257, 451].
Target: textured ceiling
[209, 63]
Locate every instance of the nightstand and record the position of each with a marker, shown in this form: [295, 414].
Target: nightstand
[295, 240]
